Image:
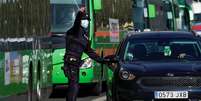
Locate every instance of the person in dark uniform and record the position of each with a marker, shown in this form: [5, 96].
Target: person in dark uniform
[77, 42]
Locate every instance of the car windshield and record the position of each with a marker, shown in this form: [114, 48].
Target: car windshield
[161, 49]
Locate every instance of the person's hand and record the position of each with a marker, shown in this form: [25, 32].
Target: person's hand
[181, 56]
[82, 9]
[110, 64]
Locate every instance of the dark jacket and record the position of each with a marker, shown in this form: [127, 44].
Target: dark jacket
[77, 41]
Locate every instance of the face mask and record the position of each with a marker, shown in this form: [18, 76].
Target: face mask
[84, 23]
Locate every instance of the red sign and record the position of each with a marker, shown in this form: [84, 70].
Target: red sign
[196, 27]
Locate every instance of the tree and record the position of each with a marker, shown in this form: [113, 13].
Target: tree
[24, 18]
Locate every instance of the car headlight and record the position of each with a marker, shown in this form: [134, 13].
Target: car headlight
[87, 63]
[126, 75]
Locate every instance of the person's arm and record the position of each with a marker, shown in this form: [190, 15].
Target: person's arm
[92, 54]
[77, 23]
[78, 19]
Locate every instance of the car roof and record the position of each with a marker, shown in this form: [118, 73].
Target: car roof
[161, 34]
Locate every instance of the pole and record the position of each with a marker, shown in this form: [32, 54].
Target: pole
[148, 20]
[173, 14]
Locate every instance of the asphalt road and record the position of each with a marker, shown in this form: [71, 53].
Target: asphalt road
[85, 94]
[58, 94]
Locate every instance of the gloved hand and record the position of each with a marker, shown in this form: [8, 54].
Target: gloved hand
[109, 63]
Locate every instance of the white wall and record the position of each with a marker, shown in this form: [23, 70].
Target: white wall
[196, 7]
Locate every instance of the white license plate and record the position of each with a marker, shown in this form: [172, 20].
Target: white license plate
[171, 94]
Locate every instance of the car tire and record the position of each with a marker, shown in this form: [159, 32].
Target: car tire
[115, 96]
[38, 82]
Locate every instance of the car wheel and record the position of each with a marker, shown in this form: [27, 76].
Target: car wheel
[38, 82]
[115, 95]
[38, 90]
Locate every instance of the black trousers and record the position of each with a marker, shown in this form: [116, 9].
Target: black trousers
[71, 71]
[73, 86]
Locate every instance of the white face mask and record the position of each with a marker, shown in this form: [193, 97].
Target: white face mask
[84, 23]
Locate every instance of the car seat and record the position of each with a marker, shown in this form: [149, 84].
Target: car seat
[140, 51]
[178, 49]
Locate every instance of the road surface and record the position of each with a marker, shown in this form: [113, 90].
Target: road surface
[59, 95]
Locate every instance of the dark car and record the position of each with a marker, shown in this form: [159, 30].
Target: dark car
[156, 66]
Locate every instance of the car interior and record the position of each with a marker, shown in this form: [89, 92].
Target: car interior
[144, 52]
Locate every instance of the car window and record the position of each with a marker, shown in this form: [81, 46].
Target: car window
[154, 49]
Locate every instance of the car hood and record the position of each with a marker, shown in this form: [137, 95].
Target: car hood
[163, 67]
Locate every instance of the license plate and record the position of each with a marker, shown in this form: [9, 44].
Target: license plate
[171, 94]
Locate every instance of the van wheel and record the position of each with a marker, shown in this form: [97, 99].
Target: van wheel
[30, 82]
[38, 83]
